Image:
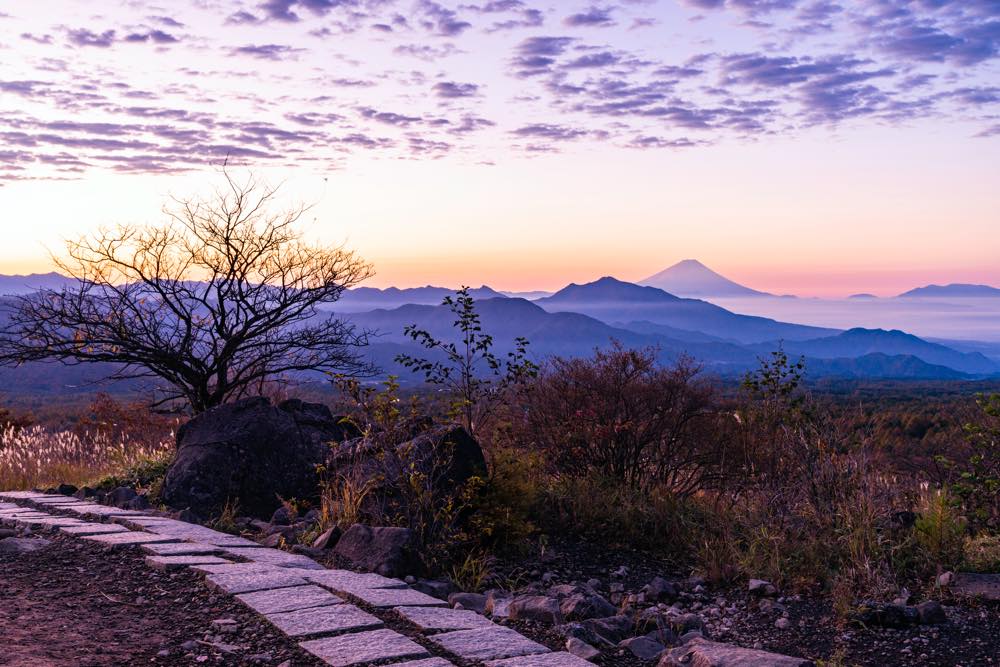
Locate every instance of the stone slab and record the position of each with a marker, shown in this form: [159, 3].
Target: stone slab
[168, 548]
[348, 582]
[324, 620]
[116, 540]
[397, 597]
[248, 582]
[243, 568]
[172, 563]
[701, 651]
[22, 495]
[288, 599]
[428, 662]
[493, 643]
[52, 522]
[437, 619]
[19, 519]
[985, 586]
[57, 500]
[274, 557]
[101, 510]
[560, 659]
[7, 506]
[364, 647]
[94, 529]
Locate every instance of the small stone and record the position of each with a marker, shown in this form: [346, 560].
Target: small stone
[22, 545]
[762, 588]
[474, 601]
[536, 608]
[225, 625]
[582, 649]
[782, 623]
[944, 579]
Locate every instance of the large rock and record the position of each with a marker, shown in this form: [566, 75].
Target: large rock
[253, 453]
[446, 456]
[703, 653]
[391, 552]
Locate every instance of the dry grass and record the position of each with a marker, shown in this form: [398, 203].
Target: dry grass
[37, 457]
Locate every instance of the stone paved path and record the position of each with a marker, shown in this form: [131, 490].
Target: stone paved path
[320, 608]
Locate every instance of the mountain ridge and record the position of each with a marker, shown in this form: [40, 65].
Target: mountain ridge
[691, 278]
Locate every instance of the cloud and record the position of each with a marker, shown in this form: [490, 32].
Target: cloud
[83, 37]
[549, 131]
[450, 89]
[266, 51]
[441, 20]
[389, 117]
[536, 55]
[593, 17]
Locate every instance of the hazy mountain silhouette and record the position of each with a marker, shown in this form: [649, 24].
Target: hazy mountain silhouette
[612, 300]
[954, 290]
[881, 366]
[361, 299]
[859, 342]
[692, 278]
[16, 285]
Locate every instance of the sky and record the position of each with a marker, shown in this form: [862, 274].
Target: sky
[814, 147]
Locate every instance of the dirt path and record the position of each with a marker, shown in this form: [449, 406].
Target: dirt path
[73, 604]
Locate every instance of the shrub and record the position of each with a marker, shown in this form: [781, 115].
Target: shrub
[622, 416]
[982, 553]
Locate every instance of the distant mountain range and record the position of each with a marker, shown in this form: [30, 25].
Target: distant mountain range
[954, 290]
[612, 300]
[691, 278]
[578, 319]
[17, 285]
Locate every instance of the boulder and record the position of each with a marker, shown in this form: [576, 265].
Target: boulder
[435, 588]
[140, 502]
[447, 456]
[473, 601]
[22, 545]
[890, 615]
[391, 552]
[762, 588]
[84, 492]
[612, 629]
[701, 652]
[931, 613]
[659, 590]
[581, 606]
[498, 603]
[253, 453]
[66, 489]
[582, 649]
[121, 496]
[328, 539]
[536, 608]
[643, 648]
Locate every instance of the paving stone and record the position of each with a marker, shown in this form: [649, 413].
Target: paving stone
[166, 548]
[397, 597]
[364, 647]
[57, 500]
[171, 563]
[7, 506]
[288, 599]
[244, 568]
[493, 643]
[115, 540]
[560, 659]
[437, 619]
[324, 620]
[348, 582]
[102, 511]
[22, 495]
[19, 519]
[52, 522]
[248, 582]
[428, 662]
[94, 529]
[274, 557]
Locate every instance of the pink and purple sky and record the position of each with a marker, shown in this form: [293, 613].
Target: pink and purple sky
[815, 147]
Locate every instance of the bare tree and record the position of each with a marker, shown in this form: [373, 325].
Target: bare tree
[220, 299]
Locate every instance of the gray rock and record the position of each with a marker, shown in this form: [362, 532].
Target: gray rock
[498, 604]
[762, 588]
[581, 606]
[931, 613]
[22, 545]
[66, 489]
[252, 452]
[391, 552]
[121, 496]
[140, 502]
[328, 539]
[612, 628]
[687, 623]
[536, 608]
[703, 653]
[643, 648]
[473, 601]
[281, 517]
[659, 590]
[435, 588]
[782, 623]
[582, 649]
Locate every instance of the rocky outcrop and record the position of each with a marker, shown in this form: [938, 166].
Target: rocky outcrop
[390, 552]
[253, 453]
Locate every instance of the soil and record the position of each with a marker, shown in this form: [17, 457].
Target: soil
[74, 604]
